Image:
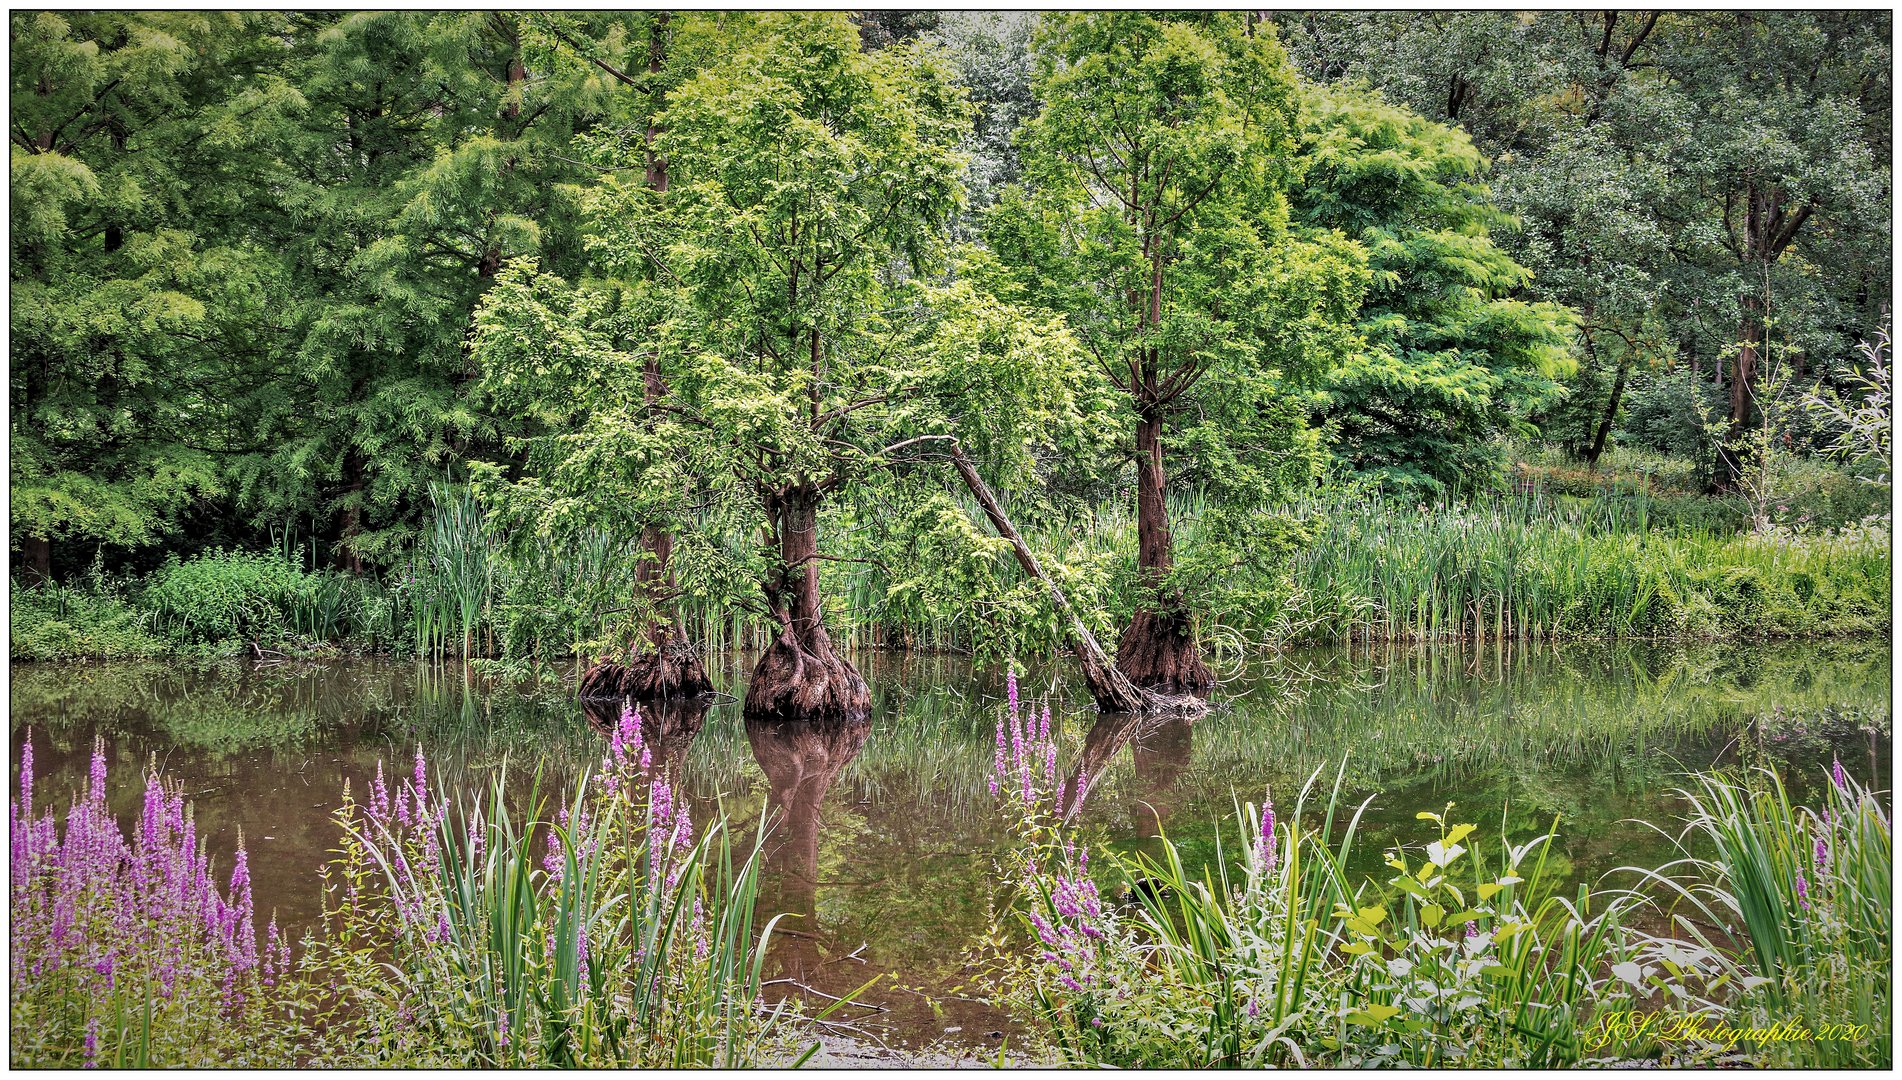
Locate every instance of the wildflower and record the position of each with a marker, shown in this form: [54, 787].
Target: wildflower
[379, 796]
[502, 1029]
[1802, 891]
[1822, 856]
[1836, 774]
[1265, 846]
[99, 769]
[92, 1044]
[997, 768]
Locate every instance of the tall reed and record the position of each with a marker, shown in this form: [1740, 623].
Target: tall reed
[1809, 891]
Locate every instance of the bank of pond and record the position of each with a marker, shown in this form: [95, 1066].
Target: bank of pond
[1333, 569]
[1396, 855]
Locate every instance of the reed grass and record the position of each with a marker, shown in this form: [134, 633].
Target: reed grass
[1809, 893]
[1460, 958]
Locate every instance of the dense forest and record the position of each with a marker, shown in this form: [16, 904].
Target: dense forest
[524, 335]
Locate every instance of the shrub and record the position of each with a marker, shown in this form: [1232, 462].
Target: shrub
[225, 597]
[91, 620]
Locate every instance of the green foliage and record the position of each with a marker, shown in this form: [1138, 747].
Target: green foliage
[1460, 958]
[226, 598]
[1629, 146]
[1453, 359]
[1529, 570]
[93, 619]
[1811, 892]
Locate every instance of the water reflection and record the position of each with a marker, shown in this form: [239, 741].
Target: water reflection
[668, 728]
[884, 835]
[801, 759]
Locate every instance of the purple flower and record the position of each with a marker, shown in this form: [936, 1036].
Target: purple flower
[1836, 774]
[26, 776]
[1010, 689]
[1265, 845]
[998, 766]
[99, 770]
[1822, 856]
[1802, 891]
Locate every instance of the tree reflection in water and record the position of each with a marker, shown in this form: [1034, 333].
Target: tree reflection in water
[801, 759]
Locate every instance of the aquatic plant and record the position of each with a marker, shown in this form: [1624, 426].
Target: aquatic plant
[1456, 959]
[136, 950]
[1809, 892]
[625, 940]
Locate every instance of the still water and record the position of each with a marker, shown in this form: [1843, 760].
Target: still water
[888, 838]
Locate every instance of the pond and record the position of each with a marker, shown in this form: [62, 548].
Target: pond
[886, 836]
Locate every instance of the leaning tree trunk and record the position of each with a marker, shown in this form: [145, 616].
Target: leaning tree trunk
[1611, 416]
[1158, 650]
[800, 676]
[1113, 692]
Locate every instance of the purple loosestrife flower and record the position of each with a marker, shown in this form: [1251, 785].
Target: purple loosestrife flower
[1010, 690]
[1043, 729]
[1837, 775]
[1822, 856]
[997, 766]
[26, 776]
[379, 805]
[1016, 740]
[502, 1029]
[99, 770]
[1802, 891]
[1050, 763]
[1265, 845]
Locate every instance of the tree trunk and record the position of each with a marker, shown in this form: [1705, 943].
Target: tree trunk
[350, 515]
[1611, 416]
[1113, 692]
[1742, 377]
[1158, 650]
[36, 555]
[800, 677]
[669, 664]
